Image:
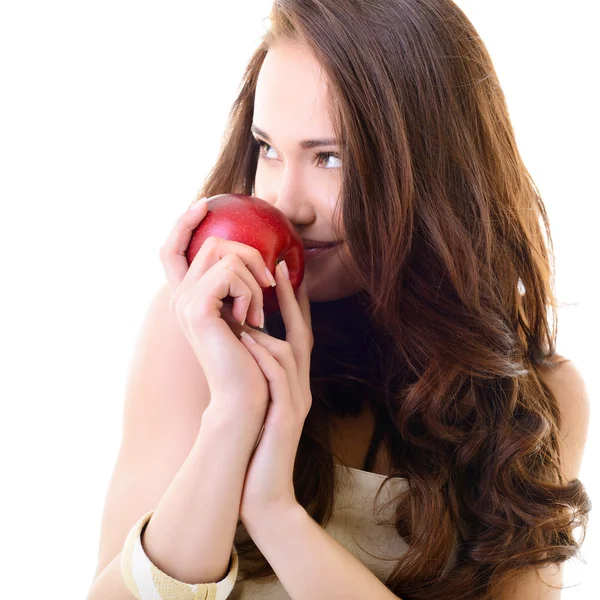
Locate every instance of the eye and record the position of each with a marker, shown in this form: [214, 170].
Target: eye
[264, 148]
[326, 155]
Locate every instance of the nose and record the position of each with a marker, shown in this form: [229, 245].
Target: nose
[290, 194]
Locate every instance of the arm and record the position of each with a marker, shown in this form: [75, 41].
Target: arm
[309, 562]
[190, 536]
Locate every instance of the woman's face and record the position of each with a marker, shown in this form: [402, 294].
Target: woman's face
[304, 183]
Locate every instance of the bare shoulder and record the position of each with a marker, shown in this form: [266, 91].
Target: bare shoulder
[569, 388]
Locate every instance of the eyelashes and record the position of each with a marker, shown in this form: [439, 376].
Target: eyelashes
[263, 147]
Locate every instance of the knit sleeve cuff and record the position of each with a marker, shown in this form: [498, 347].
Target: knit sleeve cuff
[147, 582]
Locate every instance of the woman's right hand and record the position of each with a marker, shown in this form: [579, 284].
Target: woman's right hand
[221, 268]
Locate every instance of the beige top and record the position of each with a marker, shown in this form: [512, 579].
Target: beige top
[363, 527]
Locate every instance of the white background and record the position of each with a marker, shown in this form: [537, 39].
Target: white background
[111, 115]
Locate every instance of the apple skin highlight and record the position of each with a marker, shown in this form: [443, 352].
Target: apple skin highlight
[253, 221]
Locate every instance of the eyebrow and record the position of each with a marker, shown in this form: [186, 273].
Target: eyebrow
[305, 144]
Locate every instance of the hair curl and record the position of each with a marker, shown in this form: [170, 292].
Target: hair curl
[450, 333]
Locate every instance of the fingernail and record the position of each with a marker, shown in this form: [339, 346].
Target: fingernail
[197, 203]
[247, 337]
[270, 277]
[262, 318]
[284, 269]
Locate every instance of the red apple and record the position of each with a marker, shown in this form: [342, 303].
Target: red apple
[253, 221]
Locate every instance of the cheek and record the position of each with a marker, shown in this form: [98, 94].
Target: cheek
[261, 183]
[334, 204]
[257, 187]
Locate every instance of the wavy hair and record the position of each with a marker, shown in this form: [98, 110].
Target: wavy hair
[455, 323]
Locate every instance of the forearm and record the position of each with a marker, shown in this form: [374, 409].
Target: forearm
[190, 535]
[191, 532]
[309, 562]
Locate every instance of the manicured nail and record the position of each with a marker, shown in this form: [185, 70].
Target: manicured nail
[197, 203]
[270, 277]
[284, 269]
[247, 337]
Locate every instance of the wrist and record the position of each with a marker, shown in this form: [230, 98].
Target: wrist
[240, 429]
[273, 517]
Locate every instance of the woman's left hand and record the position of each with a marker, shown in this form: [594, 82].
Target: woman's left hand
[286, 366]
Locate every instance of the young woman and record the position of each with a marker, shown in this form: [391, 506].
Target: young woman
[404, 428]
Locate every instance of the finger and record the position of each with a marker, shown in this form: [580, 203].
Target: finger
[273, 368]
[297, 331]
[304, 303]
[205, 298]
[214, 249]
[228, 277]
[172, 253]
[304, 363]
[281, 350]
[245, 301]
[282, 353]
[245, 260]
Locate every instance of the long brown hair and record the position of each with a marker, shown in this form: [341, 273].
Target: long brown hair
[449, 242]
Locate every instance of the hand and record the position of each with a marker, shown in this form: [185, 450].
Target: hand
[221, 267]
[286, 366]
